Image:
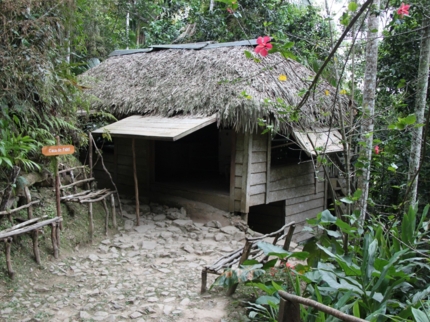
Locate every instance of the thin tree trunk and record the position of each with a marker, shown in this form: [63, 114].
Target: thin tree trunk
[420, 104]
[368, 108]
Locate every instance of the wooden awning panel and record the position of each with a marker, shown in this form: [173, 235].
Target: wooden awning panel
[156, 127]
[323, 140]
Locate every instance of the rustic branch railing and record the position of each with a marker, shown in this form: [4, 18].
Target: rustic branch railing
[289, 309]
[88, 196]
[249, 251]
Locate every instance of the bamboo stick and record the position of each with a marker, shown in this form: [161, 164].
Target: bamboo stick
[94, 200]
[25, 223]
[28, 199]
[26, 229]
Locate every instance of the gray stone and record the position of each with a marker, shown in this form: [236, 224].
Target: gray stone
[84, 315]
[174, 229]
[174, 215]
[166, 234]
[128, 224]
[213, 224]
[182, 222]
[135, 315]
[230, 230]
[100, 316]
[93, 257]
[152, 299]
[157, 209]
[7, 310]
[188, 249]
[103, 249]
[144, 209]
[167, 309]
[219, 237]
[149, 244]
[143, 228]
[159, 217]
[185, 302]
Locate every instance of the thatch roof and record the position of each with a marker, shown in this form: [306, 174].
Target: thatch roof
[220, 81]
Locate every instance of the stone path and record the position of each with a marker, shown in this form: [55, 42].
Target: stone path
[149, 272]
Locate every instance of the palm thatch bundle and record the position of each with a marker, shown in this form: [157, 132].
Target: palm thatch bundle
[222, 81]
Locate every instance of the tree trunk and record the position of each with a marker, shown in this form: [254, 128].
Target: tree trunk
[9, 188]
[368, 109]
[420, 104]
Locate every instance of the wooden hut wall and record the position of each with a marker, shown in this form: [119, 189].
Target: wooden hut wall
[250, 171]
[304, 195]
[120, 166]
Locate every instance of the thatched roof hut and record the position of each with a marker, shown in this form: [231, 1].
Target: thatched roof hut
[216, 79]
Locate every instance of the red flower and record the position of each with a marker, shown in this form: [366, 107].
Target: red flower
[377, 150]
[263, 46]
[230, 10]
[403, 10]
[290, 266]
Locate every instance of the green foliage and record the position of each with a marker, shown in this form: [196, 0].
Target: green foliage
[380, 275]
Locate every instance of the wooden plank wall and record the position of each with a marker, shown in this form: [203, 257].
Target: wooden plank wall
[258, 172]
[304, 196]
[120, 165]
[250, 171]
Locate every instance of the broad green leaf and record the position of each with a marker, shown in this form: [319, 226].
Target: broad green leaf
[334, 233]
[356, 309]
[408, 226]
[273, 250]
[350, 269]
[410, 119]
[270, 264]
[347, 200]
[357, 194]
[420, 316]
[369, 256]
[266, 299]
[248, 54]
[250, 262]
[327, 217]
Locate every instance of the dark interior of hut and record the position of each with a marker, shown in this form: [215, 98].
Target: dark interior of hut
[199, 161]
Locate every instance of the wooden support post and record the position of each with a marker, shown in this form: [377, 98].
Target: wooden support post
[90, 152]
[36, 246]
[288, 311]
[54, 239]
[136, 184]
[204, 280]
[243, 258]
[112, 198]
[107, 216]
[57, 185]
[90, 221]
[28, 200]
[289, 237]
[8, 242]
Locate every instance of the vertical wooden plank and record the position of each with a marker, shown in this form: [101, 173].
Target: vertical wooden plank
[136, 183]
[244, 199]
[233, 138]
[288, 311]
[107, 216]
[268, 162]
[90, 152]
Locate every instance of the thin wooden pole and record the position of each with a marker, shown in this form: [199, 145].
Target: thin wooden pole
[112, 198]
[91, 222]
[54, 239]
[243, 258]
[57, 186]
[28, 200]
[204, 280]
[8, 259]
[320, 307]
[36, 246]
[288, 311]
[107, 216]
[90, 150]
[136, 183]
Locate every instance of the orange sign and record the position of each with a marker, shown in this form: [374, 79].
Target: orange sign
[58, 150]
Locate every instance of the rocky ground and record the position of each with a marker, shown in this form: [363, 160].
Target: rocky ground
[150, 272]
